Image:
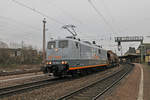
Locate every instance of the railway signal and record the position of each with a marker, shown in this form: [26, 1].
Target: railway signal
[130, 39]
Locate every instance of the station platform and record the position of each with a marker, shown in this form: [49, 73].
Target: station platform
[135, 86]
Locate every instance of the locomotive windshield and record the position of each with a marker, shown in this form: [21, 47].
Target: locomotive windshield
[51, 45]
[63, 44]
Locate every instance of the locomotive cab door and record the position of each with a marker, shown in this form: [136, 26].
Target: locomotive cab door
[78, 49]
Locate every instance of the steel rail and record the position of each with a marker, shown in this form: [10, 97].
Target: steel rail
[86, 94]
[19, 72]
[8, 91]
[114, 83]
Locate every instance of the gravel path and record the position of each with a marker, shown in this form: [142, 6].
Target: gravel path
[52, 92]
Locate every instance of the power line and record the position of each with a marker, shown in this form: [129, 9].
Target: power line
[66, 12]
[11, 26]
[37, 11]
[19, 22]
[8, 30]
[111, 16]
[6, 25]
[100, 14]
[108, 10]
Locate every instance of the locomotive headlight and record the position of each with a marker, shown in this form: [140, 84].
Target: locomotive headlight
[63, 62]
[50, 63]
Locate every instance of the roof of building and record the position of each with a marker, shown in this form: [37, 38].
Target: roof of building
[146, 45]
[131, 51]
[3, 45]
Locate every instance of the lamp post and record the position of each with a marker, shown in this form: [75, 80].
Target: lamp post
[44, 42]
[142, 53]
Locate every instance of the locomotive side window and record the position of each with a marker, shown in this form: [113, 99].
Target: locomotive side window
[99, 51]
[77, 45]
[51, 45]
[63, 44]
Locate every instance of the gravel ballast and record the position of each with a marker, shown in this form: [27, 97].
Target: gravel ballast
[54, 91]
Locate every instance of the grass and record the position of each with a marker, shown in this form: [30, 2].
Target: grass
[8, 67]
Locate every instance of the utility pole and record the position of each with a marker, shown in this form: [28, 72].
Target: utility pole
[141, 51]
[44, 42]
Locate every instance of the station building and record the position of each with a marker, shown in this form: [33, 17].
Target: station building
[144, 50]
[131, 56]
[142, 53]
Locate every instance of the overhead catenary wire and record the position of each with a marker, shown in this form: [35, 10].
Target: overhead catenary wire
[12, 26]
[108, 10]
[113, 20]
[37, 11]
[15, 27]
[13, 31]
[66, 13]
[100, 15]
[103, 18]
[8, 19]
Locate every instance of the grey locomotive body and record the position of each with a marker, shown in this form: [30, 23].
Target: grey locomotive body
[70, 56]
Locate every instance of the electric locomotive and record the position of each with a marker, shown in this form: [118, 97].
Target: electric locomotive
[71, 56]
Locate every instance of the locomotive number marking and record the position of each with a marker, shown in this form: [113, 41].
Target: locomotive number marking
[96, 57]
[57, 57]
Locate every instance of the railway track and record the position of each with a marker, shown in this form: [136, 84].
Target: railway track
[12, 90]
[19, 72]
[98, 88]
[8, 91]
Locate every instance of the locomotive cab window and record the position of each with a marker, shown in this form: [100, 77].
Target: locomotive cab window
[63, 44]
[51, 45]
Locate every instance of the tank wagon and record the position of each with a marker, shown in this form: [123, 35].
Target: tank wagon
[70, 56]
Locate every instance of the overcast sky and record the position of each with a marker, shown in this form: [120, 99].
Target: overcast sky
[123, 18]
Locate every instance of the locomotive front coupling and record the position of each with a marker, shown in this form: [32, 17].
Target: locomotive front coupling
[56, 67]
